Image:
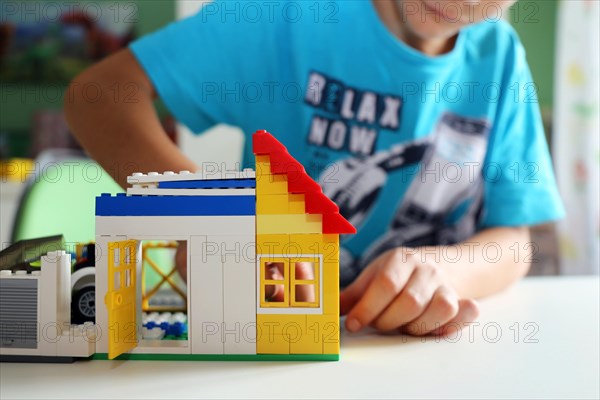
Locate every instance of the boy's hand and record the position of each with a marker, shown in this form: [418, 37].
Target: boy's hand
[400, 291]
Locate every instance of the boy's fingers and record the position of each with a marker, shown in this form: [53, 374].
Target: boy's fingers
[274, 292]
[304, 270]
[412, 301]
[468, 311]
[384, 287]
[274, 271]
[442, 309]
[353, 292]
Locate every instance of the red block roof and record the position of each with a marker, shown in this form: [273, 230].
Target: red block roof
[281, 162]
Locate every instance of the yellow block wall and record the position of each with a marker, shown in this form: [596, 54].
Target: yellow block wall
[283, 228]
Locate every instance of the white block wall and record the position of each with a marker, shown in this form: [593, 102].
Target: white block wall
[221, 277]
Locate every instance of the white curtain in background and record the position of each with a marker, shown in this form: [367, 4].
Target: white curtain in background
[577, 133]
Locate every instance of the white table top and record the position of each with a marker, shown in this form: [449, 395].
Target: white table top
[555, 356]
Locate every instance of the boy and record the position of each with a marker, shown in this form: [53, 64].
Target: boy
[417, 117]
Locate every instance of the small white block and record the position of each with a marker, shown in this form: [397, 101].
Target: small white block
[153, 334]
[180, 317]
[75, 345]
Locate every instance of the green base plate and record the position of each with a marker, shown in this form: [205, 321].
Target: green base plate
[222, 357]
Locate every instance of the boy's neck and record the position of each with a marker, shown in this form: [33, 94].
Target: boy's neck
[392, 18]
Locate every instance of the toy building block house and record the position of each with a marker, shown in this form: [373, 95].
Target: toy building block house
[262, 261]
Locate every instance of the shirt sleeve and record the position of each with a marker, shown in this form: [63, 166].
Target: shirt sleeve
[200, 65]
[520, 187]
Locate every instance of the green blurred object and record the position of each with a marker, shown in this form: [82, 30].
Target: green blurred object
[60, 198]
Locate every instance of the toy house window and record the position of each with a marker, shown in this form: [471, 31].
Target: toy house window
[274, 283]
[289, 282]
[304, 283]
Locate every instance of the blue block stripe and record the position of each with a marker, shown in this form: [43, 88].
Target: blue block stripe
[212, 184]
[107, 205]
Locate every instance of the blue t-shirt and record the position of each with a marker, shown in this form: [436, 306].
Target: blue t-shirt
[415, 150]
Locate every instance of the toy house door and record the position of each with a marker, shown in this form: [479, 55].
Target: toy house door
[121, 297]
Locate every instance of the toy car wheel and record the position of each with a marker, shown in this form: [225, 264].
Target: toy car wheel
[84, 305]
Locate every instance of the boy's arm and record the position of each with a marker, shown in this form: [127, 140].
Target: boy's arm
[490, 261]
[423, 290]
[109, 108]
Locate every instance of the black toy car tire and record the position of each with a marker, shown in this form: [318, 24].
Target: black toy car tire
[83, 305]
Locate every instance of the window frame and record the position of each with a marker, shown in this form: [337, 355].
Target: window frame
[285, 282]
[315, 281]
[289, 305]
